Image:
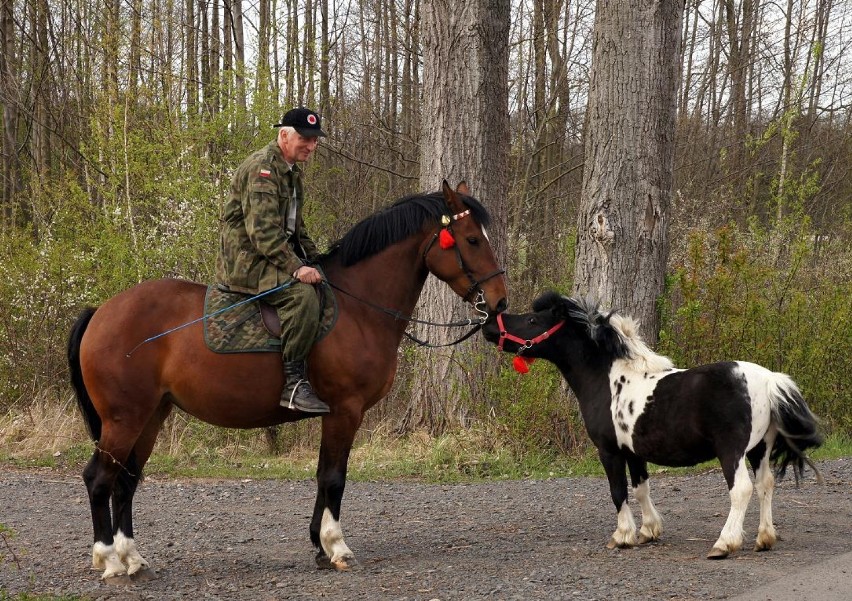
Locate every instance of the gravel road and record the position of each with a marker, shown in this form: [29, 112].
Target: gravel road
[523, 539]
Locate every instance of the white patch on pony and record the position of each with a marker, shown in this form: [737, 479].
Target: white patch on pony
[731, 539]
[127, 553]
[652, 524]
[632, 380]
[331, 538]
[485, 233]
[625, 532]
[105, 557]
[762, 385]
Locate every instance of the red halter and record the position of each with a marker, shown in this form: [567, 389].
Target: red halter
[525, 344]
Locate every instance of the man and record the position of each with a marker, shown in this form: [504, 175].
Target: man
[263, 244]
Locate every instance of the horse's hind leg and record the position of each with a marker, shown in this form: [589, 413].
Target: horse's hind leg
[125, 488]
[739, 490]
[652, 524]
[99, 475]
[765, 486]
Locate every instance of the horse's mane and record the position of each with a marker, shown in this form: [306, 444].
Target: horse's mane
[398, 221]
[615, 333]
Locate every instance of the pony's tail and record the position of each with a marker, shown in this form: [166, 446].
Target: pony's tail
[797, 428]
[84, 401]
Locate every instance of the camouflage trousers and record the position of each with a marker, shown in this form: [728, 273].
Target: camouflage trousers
[299, 311]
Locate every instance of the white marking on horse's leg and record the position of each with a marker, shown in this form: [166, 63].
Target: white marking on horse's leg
[126, 549]
[625, 533]
[652, 524]
[731, 538]
[765, 485]
[331, 538]
[105, 557]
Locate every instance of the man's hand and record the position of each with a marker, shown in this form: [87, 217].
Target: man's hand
[307, 275]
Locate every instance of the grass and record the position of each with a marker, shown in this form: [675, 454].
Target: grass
[44, 437]
[188, 449]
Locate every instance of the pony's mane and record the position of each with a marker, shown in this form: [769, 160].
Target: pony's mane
[618, 334]
[639, 356]
[396, 222]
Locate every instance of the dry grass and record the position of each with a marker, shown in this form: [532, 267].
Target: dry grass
[42, 428]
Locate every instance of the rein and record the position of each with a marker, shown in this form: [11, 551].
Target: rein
[525, 343]
[398, 316]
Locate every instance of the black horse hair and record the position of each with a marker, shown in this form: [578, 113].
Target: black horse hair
[398, 221]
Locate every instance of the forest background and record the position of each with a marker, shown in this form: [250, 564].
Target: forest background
[122, 122]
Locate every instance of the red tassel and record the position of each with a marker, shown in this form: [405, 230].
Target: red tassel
[522, 364]
[446, 240]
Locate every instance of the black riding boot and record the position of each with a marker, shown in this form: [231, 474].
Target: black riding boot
[297, 393]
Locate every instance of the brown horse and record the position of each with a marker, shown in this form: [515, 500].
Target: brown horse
[382, 262]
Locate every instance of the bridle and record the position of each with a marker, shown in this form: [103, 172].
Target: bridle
[525, 343]
[475, 284]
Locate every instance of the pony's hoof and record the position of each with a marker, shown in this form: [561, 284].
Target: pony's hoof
[716, 553]
[345, 564]
[323, 561]
[117, 580]
[614, 544]
[644, 539]
[143, 575]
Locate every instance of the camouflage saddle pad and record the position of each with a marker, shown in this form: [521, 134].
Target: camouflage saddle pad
[232, 325]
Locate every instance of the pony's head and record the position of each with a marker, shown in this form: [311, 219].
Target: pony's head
[586, 335]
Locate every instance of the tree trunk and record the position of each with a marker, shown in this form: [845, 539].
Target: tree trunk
[630, 126]
[465, 137]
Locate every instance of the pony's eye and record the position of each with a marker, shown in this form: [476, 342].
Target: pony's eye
[531, 321]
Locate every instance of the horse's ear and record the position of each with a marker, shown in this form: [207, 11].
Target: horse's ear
[453, 203]
[462, 188]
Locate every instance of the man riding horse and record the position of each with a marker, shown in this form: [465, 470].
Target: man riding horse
[263, 244]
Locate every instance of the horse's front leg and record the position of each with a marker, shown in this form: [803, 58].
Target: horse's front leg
[652, 524]
[338, 433]
[616, 473]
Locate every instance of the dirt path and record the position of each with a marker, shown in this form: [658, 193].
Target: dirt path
[505, 540]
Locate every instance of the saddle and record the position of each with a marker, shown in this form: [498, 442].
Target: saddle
[232, 325]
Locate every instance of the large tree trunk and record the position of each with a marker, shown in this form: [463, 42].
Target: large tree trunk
[630, 127]
[465, 136]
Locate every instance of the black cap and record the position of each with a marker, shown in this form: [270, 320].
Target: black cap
[304, 121]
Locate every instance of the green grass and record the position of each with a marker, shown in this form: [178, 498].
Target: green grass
[446, 459]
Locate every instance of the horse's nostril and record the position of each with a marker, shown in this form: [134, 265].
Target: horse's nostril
[502, 305]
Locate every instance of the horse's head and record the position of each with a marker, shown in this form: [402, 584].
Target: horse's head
[562, 330]
[460, 254]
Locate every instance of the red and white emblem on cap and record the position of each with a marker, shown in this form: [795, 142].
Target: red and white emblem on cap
[312, 119]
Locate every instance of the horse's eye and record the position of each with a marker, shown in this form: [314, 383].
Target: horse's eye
[473, 241]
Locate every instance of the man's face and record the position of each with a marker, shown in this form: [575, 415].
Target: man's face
[295, 147]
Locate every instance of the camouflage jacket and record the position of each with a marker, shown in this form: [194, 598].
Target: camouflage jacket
[262, 237]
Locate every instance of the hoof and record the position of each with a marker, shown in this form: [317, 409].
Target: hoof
[117, 580]
[716, 553]
[644, 539]
[323, 561]
[613, 544]
[344, 564]
[143, 575]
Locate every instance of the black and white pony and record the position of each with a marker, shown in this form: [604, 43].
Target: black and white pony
[637, 407]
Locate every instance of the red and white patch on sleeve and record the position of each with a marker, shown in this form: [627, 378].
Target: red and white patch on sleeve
[265, 173]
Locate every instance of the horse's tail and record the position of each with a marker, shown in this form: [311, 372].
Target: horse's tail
[90, 416]
[797, 427]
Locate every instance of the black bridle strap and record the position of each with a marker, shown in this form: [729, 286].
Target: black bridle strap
[397, 315]
[423, 343]
[475, 285]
